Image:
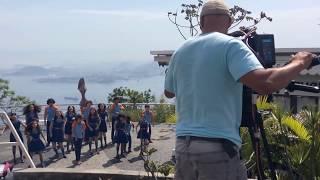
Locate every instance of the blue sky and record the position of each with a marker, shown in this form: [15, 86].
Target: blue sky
[75, 32]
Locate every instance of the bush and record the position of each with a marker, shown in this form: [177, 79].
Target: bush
[172, 119]
[135, 114]
[163, 112]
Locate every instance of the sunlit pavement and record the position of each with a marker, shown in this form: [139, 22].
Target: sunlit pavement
[162, 137]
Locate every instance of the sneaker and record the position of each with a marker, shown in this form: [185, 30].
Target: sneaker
[97, 152]
[150, 141]
[129, 151]
[122, 155]
[118, 157]
[64, 156]
[21, 160]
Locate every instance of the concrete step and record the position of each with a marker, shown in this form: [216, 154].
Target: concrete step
[81, 174]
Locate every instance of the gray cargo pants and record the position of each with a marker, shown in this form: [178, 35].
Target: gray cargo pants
[206, 160]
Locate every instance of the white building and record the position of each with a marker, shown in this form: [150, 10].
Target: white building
[293, 100]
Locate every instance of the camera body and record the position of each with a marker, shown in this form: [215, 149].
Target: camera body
[263, 47]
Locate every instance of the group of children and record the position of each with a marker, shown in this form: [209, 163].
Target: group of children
[88, 126]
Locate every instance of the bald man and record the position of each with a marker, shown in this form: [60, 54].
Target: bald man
[206, 75]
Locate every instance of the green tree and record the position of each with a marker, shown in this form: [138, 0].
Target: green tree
[131, 96]
[8, 98]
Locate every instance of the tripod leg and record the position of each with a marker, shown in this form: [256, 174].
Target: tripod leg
[266, 147]
[257, 151]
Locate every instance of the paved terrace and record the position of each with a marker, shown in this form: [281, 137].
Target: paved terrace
[162, 137]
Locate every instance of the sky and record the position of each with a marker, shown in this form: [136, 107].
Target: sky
[82, 32]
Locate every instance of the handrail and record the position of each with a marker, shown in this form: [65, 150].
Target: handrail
[137, 104]
[18, 142]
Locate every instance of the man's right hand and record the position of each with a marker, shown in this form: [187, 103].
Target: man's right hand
[303, 58]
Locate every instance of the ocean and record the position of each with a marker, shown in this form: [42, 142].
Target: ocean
[40, 82]
[97, 92]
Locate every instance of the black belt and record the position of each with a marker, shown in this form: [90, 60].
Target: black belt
[230, 148]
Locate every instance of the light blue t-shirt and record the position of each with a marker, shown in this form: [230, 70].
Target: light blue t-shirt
[204, 75]
[51, 113]
[147, 117]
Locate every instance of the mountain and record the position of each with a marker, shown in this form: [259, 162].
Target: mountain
[96, 73]
[31, 71]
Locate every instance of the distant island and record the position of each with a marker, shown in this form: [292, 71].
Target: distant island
[71, 98]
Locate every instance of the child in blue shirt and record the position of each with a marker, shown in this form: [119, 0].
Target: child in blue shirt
[57, 133]
[78, 132]
[121, 137]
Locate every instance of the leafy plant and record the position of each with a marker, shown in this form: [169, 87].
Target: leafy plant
[155, 167]
[296, 127]
[294, 140]
[172, 119]
[131, 96]
[263, 104]
[163, 111]
[8, 99]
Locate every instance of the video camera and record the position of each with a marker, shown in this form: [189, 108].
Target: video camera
[262, 45]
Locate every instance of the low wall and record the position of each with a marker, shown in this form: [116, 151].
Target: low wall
[81, 174]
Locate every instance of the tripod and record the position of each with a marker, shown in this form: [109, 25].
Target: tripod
[252, 119]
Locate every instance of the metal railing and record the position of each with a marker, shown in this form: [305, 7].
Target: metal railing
[19, 143]
[63, 107]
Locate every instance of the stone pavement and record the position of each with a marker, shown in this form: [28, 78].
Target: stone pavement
[162, 137]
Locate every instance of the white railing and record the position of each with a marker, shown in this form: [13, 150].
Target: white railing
[19, 143]
[63, 107]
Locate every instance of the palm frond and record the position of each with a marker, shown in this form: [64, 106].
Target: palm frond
[296, 127]
[263, 104]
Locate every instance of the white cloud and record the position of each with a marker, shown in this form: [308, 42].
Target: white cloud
[145, 15]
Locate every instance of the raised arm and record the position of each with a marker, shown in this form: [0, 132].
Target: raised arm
[267, 81]
[23, 124]
[55, 107]
[169, 90]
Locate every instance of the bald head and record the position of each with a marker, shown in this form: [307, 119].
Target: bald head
[215, 17]
[215, 23]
